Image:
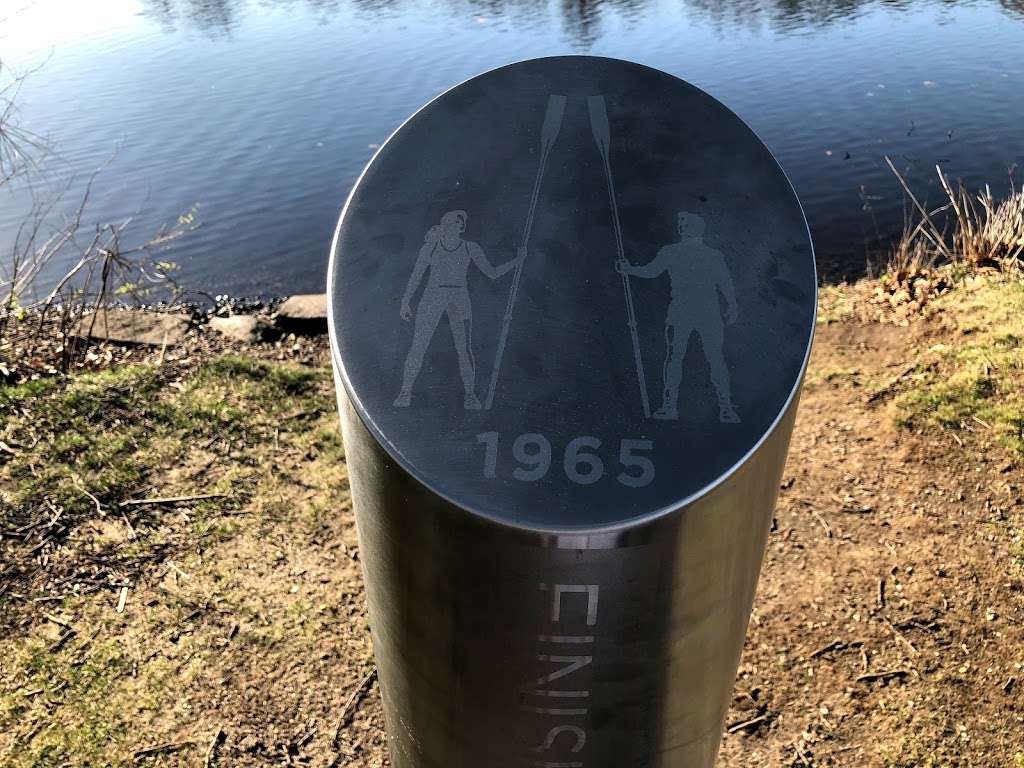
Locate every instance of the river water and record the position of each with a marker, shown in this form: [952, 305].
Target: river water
[263, 112]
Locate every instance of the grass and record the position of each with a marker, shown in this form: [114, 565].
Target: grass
[834, 376]
[250, 430]
[102, 436]
[50, 677]
[988, 231]
[225, 593]
[835, 304]
[976, 383]
[941, 246]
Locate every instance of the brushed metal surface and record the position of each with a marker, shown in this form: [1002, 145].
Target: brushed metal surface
[560, 567]
[461, 617]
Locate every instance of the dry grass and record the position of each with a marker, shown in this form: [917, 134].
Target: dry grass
[970, 231]
[973, 379]
[243, 634]
[910, 271]
[989, 232]
[142, 634]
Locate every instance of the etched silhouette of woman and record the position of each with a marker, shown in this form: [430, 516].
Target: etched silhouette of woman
[445, 258]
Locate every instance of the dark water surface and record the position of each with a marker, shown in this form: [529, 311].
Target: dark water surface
[264, 111]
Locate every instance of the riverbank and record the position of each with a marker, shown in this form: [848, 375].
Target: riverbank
[181, 581]
[45, 343]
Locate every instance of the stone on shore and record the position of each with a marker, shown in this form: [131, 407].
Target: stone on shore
[248, 329]
[305, 313]
[134, 326]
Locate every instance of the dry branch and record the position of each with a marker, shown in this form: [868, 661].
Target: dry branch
[868, 677]
[171, 746]
[171, 499]
[349, 710]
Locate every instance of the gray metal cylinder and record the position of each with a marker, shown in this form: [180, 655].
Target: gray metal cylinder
[560, 567]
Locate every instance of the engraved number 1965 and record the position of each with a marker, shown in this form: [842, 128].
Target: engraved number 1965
[581, 461]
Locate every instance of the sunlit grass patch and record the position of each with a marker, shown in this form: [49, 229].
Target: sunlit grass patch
[976, 383]
[835, 376]
[89, 454]
[77, 445]
[99, 437]
[102, 697]
[80, 680]
[251, 448]
[835, 304]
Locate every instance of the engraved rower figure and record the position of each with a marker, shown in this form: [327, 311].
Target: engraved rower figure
[697, 275]
[445, 257]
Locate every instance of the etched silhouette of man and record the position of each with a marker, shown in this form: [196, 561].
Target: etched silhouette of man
[697, 275]
[445, 257]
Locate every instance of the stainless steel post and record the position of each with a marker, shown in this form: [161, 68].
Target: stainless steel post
[560, 573]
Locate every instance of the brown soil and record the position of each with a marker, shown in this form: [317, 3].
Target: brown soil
[888, 628]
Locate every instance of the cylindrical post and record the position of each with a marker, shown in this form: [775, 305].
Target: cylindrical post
[564, 580]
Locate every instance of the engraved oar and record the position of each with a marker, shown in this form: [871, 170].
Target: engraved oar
[548, 134]
[602, 135]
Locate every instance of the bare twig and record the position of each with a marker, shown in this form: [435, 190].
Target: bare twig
[211, 751]
[835, 645]
[868, 677]
[349, 710]
[172, 499]
[746, 724]
[96, 502]
[122, 598]
[171, 746]
[927, 227]
[824, 523]
[128, 523]
[900, 636]
[62, 640]
[56, 620]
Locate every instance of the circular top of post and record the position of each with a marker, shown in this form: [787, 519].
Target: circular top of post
[572, 293]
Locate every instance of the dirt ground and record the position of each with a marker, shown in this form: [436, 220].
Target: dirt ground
[888, 628]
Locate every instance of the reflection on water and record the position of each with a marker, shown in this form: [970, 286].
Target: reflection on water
[213, 16]
[581, 17]
[218, 17]
[265, 111]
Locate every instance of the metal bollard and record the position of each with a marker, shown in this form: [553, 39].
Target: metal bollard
[571, 305]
